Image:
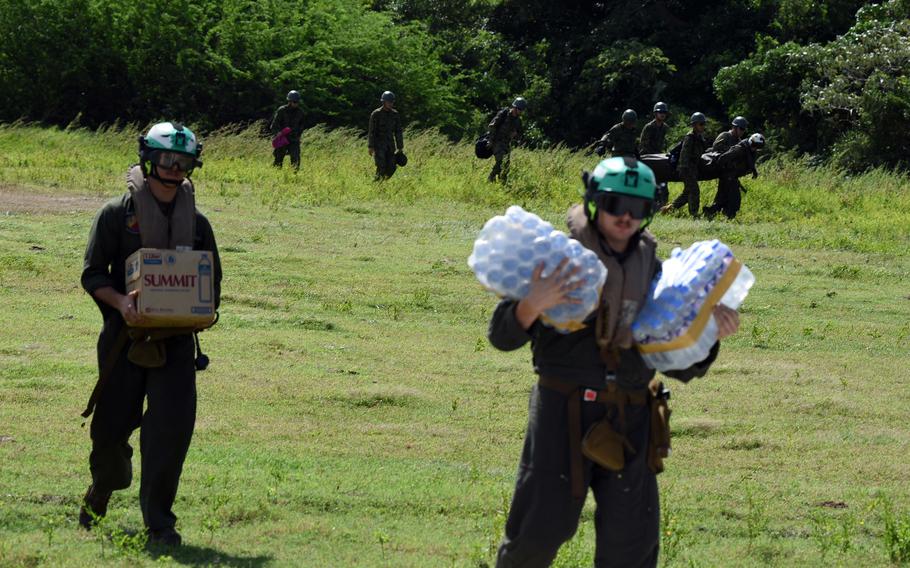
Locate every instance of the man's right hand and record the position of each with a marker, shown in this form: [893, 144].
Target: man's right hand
[126, 305]
[549, 292]
[371, 151]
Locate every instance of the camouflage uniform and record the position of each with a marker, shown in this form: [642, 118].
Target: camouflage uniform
[383, 136]
[621, 141]
[727, 198]
[288, 117]
[504, 128]
[693, 147]
[724, 141]
[653, 137]
[739, 158]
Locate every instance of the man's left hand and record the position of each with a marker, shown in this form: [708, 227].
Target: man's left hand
[727, 321]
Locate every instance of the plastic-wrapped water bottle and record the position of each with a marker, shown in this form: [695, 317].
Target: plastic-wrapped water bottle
[511, 246]
[676, 299]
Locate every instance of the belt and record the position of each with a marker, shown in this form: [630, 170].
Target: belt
[575, 394]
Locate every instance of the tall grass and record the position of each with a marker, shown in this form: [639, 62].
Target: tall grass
[791, 204]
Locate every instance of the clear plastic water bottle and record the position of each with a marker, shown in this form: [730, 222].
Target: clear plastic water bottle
[205, 279]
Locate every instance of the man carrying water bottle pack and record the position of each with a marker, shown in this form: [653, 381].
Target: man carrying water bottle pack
[597, 418]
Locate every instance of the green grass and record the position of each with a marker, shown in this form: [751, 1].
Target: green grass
[354, 414]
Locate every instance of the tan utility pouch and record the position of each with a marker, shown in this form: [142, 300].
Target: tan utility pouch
[659, 438]
[604, 446]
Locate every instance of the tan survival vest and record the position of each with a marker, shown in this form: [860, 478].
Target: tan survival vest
[626, 287]
[155, 229]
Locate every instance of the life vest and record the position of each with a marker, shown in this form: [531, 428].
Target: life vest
[627, 285]
[156, 229]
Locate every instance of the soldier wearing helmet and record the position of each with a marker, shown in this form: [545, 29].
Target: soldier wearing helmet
[288, 116]
[725, 140]
[621, 139]
[384, 136]
[736, 161]
[654, 134]
[727, 185]
[505, 129]
[138, 366]
[693, 146]
[593, 378]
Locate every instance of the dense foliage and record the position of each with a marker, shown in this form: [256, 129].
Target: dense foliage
[827, 77]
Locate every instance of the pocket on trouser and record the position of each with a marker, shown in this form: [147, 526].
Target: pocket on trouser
[659, 435]
[604, 446]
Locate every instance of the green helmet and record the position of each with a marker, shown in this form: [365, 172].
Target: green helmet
[520, 103]
[387, 97]
[169, 138]
[740, 122]
[293, 97]
[661, 107]
[625, 176]
[698, 118]
[629, 115]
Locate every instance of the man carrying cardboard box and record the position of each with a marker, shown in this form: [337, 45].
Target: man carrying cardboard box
[140, 364]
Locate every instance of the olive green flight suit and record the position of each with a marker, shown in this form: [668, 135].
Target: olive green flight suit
[168, 392]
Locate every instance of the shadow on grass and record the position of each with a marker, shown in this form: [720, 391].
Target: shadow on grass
[191, 555]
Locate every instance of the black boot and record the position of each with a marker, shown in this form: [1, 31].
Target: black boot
[95, 501]
[164, 537]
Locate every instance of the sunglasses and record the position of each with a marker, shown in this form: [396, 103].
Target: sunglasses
[618, 205]
[168, 160]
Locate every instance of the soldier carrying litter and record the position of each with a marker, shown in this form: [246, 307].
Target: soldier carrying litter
[739, 158]
[654, 134]
[727, 185]
[693, 146]
[620, 140]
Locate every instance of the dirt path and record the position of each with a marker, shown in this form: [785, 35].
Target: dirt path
[17, 199]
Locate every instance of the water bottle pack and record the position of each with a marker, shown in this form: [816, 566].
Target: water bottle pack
[675, 327]
[511, 246]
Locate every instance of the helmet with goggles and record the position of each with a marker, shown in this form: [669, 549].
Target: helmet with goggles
[619, 186]
[168, 145]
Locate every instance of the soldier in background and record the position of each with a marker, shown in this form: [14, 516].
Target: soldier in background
[620, 140]
[654, 134]
[505, 128]
[693, 146]
[739, 158]
[725, 140]
[727, 185]
[384, 136]
[290, 116]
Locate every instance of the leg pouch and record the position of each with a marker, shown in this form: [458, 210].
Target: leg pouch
[605, 446]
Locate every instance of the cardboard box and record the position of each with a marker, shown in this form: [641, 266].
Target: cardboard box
[175, 287]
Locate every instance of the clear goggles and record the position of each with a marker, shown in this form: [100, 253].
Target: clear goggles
[167, 160]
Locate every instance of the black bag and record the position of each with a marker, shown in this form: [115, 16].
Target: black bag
[674, 154]
[482, 148]
[401, 159]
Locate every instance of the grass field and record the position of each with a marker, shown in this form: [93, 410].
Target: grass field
[354, 414]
